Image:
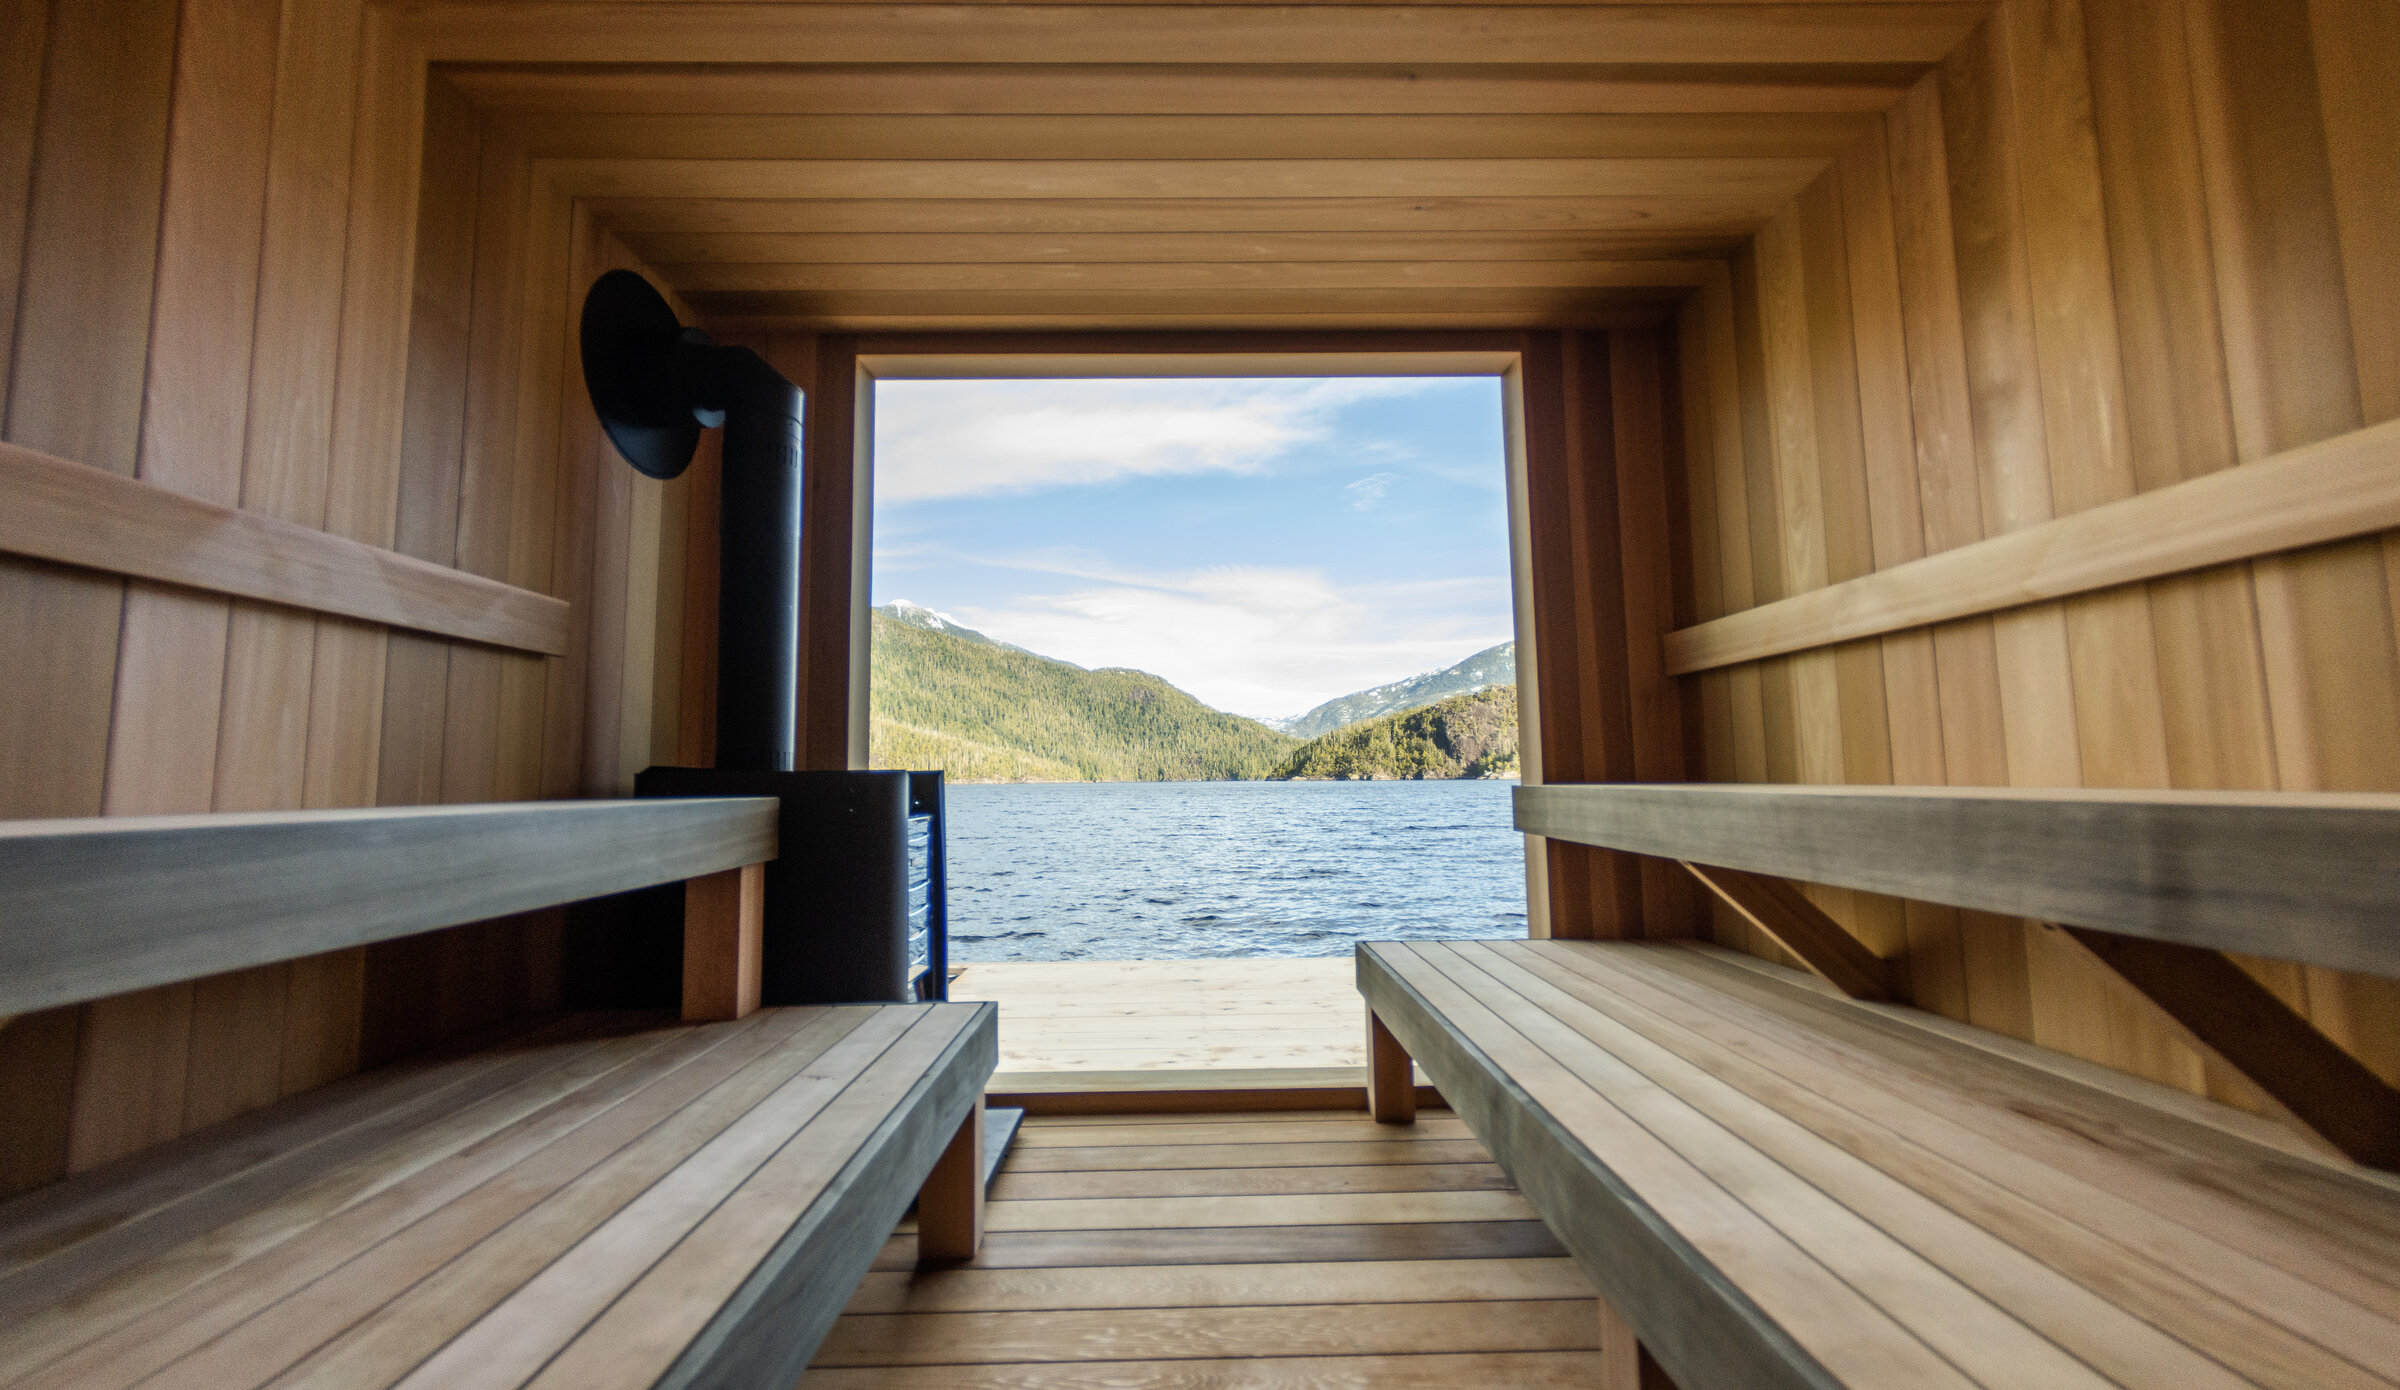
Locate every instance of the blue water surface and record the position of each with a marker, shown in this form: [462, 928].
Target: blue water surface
[1176, 870]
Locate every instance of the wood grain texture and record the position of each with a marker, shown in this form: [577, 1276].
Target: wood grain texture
[2293, 876]
[950, 1207]
[1587, 1040]
[459, 1181]
[2324, 492]
[71, 514]
[99, 907]
[724, 938]
[1321, 1303]
[1391, 1079]
[1800, 927]
[2229, 1013]
[913, 33]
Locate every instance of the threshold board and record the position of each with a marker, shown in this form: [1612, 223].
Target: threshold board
[1192, 1091]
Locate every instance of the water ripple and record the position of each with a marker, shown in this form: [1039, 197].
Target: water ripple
[1150, 870]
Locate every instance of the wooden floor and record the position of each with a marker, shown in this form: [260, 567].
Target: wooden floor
[1172, 1015]
[1314, 1249]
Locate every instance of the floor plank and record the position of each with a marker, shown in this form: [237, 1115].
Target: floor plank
[1575, 1370]
[1271, 1250]
[1267, 1155]
[1314, 1209]
[1216, 1182]
[1212, 1286]
[1359, 1130]
[1558, 1324]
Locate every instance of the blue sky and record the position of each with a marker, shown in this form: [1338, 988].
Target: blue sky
[1264, 544]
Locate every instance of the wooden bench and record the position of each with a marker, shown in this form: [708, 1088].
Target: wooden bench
[594, 1200]
[1775, 1186]
[1778, 1179]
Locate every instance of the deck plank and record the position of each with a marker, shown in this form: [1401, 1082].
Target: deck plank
[1218, 1286]
[1353, 1254]
[1573, 1370]
[952, 1339]
[1228, 1182]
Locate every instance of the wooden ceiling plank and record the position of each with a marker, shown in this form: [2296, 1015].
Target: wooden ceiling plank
[664, 217]
[1764, 183]
[747, 137]
[919, 248]
[1187, 89]
[1137, 277]
[1277, 322]
[700, 32]
[1518, 305]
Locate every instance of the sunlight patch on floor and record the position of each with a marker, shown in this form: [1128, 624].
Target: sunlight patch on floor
[1172, 1015]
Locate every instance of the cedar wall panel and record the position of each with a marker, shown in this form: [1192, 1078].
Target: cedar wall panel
[2101, 249]
[249, 253]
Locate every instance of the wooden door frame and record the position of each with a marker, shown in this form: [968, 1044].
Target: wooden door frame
[837, 517]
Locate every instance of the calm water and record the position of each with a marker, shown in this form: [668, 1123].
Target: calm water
[1165, 870]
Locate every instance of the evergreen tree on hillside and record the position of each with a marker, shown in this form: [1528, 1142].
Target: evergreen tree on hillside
[1473, 735]
[987, 712]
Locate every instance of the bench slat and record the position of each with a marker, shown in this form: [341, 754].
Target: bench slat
[1843, 1290]
[116, 1269]
[769, 1302]
[2114, 1243]
[91, 908]
[568, 1204]
[262, 1314]
[2000, 1315]
[2306, 876]
[1706, 1328]
[2035, 1257]
[2291, 1208]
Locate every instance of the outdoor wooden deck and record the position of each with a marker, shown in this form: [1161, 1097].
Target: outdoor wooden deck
[1315, 1249]
[1172, 1015]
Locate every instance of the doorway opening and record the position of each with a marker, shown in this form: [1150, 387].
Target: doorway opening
[1221, 661]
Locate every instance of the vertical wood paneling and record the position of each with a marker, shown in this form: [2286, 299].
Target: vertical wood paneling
[170, 700]
[53, 712]
[2099, 250]
[262, 749]
[432, 439]
[1640, 399]
[829, 505]
[77, 385]
[208, 221]
[87, 233]
[24, 41]
[370, 384]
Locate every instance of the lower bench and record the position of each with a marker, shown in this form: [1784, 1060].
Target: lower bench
[605, 1202]
[1773, 1187]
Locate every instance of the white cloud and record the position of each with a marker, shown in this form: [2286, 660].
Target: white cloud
[937, 439]
[1256, 640]
[1368, 492]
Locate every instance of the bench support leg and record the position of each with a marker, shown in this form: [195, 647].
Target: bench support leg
[950, 1206]
[1624, 1363]
[1391, 1078]
[724, 933]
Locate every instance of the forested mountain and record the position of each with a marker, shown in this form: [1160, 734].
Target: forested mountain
[1471, 735]
[948, 697]
[918, 615]
[1491, 666]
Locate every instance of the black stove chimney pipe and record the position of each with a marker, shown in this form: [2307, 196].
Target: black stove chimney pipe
[655, 385]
